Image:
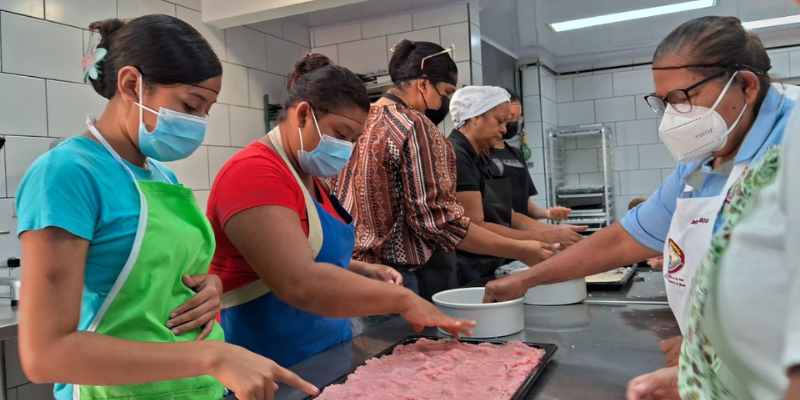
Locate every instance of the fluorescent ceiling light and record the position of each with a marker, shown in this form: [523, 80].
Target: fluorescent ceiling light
[766, 23]
[631, 15]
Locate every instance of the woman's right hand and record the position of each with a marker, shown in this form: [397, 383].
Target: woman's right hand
[421, 313]
[533, 252]
[656, 263]
[558, 213]
[251, 376]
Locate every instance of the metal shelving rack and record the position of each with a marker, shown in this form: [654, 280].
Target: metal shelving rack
[592, 205]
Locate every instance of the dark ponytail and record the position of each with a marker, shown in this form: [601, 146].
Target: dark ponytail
[513, 94]
[166, 50]
[406, 63]
[718, 43]
[325, 86]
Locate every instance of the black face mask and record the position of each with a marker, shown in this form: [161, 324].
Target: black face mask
[512, 129]
[437, 116]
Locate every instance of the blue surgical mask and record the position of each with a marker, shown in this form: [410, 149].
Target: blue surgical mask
[176, 135]
[328, 159]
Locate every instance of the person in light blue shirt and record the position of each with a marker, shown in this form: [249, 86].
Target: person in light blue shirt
[649, 223]
[720, 114]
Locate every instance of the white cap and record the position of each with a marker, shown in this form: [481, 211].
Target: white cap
[473, 101]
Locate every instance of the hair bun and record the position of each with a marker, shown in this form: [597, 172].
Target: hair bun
[106, 29]
[403, 48]
[306, 64]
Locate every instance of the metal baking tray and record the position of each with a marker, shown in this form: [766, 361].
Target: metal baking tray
[523, 390]
[613, 285]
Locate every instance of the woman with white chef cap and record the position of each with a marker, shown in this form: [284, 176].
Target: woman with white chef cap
[480, 114]
[720, 114]
[511, 163]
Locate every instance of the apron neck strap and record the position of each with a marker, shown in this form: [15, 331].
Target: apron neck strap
[395, 99]
[90, 122]
[315, 234]
[277, 142]
[736, 172]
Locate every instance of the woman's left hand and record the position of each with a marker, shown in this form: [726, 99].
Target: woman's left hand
[382, 273]
[202, 309]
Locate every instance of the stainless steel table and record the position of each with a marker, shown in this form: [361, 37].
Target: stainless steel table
[601, 346]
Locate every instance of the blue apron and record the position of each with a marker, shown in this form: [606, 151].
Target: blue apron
[254, 318]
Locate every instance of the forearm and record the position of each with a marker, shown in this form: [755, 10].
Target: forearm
[603, 251]
[87, 358]
[358, 267]
[524, 222]
[794, 384]
[509, 232]
[334, 292]
[541, 226]
[514, 234]
[483, 241]
[535, 212]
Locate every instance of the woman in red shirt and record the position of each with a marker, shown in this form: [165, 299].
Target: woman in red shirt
[285, 243]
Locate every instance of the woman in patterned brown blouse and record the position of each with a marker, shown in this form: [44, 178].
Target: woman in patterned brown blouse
[400, 184]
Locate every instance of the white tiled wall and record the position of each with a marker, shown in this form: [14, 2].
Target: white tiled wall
[615, 97]
[42, 96]
[603, 97]
[639, 157]
[365, 46]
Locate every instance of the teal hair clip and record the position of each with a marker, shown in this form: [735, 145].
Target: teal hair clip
[90, 63]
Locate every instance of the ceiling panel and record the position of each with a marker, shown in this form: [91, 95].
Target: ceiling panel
[521, 25]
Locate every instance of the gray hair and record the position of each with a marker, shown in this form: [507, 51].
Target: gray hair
[715, 43]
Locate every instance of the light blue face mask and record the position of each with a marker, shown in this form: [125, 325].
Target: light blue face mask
[176, 135]
[328, 159]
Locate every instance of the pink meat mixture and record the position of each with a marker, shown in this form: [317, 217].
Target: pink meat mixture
[441, 370]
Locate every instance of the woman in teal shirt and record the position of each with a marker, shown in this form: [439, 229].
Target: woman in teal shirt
[117, 302]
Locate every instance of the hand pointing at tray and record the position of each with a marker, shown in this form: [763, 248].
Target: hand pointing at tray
[421, 314]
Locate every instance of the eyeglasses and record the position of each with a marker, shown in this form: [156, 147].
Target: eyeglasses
[451, 50]
[679, 99]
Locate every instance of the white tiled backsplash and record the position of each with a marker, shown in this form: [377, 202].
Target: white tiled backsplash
[42, 96]
[366, 46]
[614, 97]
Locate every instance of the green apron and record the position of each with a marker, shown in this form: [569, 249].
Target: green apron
[701, 374]
[174, 238]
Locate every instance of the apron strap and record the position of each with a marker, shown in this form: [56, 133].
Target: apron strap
[90, 121]
[138, 238]
[736, 173]
[314, 223]
[259, 288]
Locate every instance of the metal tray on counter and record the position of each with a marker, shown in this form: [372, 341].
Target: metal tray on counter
[526, 386]
[611, 280]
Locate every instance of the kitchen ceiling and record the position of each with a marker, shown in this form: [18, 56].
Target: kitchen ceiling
[520, 26]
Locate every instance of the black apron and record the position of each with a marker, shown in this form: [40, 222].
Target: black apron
[439, 272]
[497, 209]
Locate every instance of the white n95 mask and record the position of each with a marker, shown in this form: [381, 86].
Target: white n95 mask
[695, 135]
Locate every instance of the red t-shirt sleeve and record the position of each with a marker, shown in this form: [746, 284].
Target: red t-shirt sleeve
[256, 181]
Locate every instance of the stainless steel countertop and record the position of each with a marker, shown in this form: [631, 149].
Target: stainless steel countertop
[601, 346]
[8, 320]
[645, 286]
